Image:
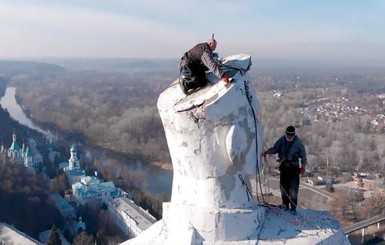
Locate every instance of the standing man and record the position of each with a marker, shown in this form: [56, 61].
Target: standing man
[196, 62]
[289, 148]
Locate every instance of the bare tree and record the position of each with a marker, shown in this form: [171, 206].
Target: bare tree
[83, 238]
[54, 237]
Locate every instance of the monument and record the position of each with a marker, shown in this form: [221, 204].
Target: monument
[215, 138]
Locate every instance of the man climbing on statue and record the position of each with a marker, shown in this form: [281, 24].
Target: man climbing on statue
[196, 62]
[290, 149]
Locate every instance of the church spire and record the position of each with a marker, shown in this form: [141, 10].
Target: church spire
[14, 136]
[14, 151]
[14, 147]
[73, 161]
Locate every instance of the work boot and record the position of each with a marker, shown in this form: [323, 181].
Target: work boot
[293, 212]
[284, 207]
[188, 86]
[183, 86]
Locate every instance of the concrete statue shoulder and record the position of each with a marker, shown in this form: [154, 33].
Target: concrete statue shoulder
[215, 138]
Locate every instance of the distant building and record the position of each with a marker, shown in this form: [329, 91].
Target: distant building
[15, 153]
[91, 189]
[10, 235]
[328, 179]
[72, 168]
[65, 209]
[277, 94]
[29, 156]
[36, 157]
[315, 181]
[75, 175]
[129, 217]
[68, 213]
[367, 181]
[371, 184]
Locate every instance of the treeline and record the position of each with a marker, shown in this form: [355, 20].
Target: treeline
[349, 144]
[352, 207]
[151, 203]
[9, 69]
[24, 200]
[118, 111]
[113, 110]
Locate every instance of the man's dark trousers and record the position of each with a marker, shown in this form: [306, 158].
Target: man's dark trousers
[289, 181]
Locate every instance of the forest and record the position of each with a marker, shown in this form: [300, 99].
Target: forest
[22, 191]
[113, 110]
[117, 111]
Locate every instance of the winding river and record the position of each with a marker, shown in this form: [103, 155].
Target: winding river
[159, 180]
[8, 101]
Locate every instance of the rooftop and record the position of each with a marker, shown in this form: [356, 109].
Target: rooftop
[128, 207]
[61, 203]
[10, 235]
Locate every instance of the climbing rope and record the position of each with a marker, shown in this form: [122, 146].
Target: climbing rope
[258, 177]
[282, 190]
[248, 192]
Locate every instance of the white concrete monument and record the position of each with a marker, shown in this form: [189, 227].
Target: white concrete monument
[215, 138]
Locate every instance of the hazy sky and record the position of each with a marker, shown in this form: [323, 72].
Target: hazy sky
[286, 29]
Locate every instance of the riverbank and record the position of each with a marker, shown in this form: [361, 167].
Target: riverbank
[157, 176]
[8, 102]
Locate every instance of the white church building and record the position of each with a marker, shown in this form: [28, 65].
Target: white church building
[72, 168]
[91, 189]
[28, 155]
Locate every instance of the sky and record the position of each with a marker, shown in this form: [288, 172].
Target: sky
[338, 30]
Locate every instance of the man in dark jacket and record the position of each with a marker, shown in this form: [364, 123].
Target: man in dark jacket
[290, 149]
[195, 63]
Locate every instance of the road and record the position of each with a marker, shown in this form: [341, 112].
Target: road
[364, 223]
[309, 196]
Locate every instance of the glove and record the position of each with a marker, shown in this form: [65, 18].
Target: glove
[265, 154]
[225, 78]
[302, 170]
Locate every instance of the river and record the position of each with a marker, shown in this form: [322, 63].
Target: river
[159, 180]
[8, 101]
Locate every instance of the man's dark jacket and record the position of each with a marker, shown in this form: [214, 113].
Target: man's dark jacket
[201, 55]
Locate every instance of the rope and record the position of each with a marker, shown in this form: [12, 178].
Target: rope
[258, 181]
[248, 193]
[280, 186]
[258, 177]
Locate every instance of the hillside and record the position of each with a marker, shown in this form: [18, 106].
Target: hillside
[11, 68]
